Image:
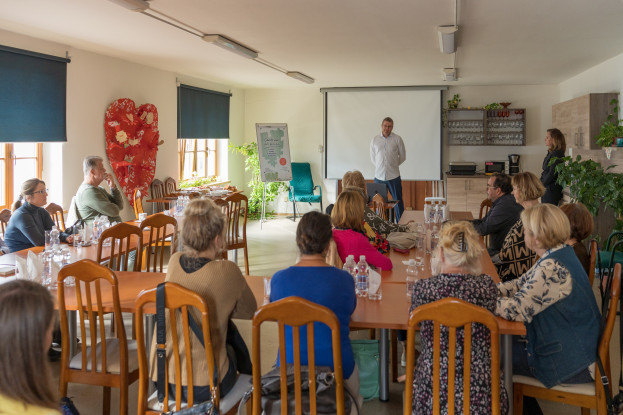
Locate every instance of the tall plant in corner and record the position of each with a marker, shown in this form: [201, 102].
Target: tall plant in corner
[252, 164]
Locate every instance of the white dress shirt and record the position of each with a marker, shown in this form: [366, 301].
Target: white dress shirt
[387, 154]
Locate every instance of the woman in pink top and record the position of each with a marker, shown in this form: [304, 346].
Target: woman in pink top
[347, 218]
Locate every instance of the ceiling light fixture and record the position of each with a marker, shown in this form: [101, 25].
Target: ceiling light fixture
[230, 45]
[449, 74]
[134, 5]
[446, 38]
[301, 77]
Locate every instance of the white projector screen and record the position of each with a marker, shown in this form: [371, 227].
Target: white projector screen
[354, 116]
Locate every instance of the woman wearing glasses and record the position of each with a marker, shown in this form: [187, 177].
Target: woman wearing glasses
[29, 221]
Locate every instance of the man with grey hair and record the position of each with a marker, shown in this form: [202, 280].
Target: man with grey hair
[91, 199]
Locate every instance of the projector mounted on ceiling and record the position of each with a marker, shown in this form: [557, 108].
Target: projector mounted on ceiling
[446, 38]
[449, 74]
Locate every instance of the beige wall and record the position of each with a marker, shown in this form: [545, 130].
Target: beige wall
[605, 77]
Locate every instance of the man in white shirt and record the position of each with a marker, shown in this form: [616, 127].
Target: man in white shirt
[387, 152]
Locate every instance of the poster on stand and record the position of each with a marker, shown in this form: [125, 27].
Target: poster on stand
[273, 148]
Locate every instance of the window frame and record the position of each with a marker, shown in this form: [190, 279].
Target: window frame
[8, 184]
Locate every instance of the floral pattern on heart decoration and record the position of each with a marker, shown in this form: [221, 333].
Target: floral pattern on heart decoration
[132, 140]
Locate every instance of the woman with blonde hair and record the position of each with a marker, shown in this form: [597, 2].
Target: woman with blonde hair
[347, 218]
[555, 302]
[556, 146]
[459, 251]
[515, 258]
[200, 268]
[27, 319]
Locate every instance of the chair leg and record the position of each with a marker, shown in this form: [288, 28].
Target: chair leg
[517, 399]
[246, 260]
[587, 411]
[293, 210]
[394, 359]
[123, 400]
[106, 401]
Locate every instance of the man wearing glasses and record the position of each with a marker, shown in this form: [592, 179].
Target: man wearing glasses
[503, 214]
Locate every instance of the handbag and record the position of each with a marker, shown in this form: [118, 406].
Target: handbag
[68, 407]
[367, 357]
[325, 392]
[204, 408]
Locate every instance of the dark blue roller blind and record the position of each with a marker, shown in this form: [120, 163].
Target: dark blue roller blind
[33, 91]
[202, 113]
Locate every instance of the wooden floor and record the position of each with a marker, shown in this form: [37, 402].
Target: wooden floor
[270, 249]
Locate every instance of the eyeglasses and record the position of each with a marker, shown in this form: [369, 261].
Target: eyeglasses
[41, 192]
[492, 187]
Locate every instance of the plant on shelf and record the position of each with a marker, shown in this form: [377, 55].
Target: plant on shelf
[252, 164]
[197, 182]
[454, 102]
[612, 128]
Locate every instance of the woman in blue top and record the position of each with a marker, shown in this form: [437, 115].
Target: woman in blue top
[29, 221]
[313, 279]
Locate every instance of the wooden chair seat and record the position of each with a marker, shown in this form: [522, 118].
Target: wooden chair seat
[169, 185]
[378, 204]
[5, 215]
[113, 356]
[157, 192]
[56, 212]
[138, 203]
[153, 253]
[236, 212]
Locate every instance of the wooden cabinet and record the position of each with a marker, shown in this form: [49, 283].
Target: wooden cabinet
[466, 193]
[580, 119]
[477, 127]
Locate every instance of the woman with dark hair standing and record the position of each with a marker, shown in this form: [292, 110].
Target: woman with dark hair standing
[29, 221]
[556, 146]
[27, 319]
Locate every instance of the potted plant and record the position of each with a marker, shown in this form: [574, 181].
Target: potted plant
[454, 102]
[612, 128]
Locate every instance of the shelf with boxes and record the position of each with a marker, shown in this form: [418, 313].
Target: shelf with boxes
[478, 127]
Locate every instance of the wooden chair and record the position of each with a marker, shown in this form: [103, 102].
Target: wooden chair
[585, 395]
[453, 313]
[114, 363]
[182, 299]
[157, 191]
[5, 215]
[170, 186]
[138, 203]
[236, 219]
[485, 205]
[297, 312]
[378, 205]
[593, 250]
[56, 212]
[120, 234]
[153, 254]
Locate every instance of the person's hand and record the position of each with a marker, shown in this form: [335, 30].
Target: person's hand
[110, 180]
[70, 239]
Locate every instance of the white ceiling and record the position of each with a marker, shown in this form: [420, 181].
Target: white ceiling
[340, 42]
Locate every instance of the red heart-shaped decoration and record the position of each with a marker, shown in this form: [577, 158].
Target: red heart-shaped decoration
[132, 144]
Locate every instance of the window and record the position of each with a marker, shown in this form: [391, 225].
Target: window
[18, 163]
[199, 158]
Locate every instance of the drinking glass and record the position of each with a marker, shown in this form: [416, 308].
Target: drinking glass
[48, 241]
[378, 293]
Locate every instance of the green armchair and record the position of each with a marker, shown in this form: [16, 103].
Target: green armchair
[302, 187]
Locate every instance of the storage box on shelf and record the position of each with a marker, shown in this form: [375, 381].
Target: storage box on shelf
[505, 127]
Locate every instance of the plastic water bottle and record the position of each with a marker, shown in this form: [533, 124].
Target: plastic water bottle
[96, 229]
[55, 237]
[180, 205]
[349, 265]
[186, 201]
[412, 276]
[427, 211]
[361, 282]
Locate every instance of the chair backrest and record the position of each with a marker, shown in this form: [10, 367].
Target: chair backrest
[376, 188]
[5, 215]
[297, 312]
[593, 261]
[154, 245]
[138, 202]
[177, 298]
[124, 238]
[157, 191]
[452, 313]
[302, 179]
[169, 185]
[436, 189]
[94, 285]
[613, 285]
[56, 212]
[236, 216]
[379, 206]
[485, 205]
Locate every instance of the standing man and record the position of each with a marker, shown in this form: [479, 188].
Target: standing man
[387, 152]
[91, 199]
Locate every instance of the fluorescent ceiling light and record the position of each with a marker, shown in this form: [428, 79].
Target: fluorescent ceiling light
[301, 77]
[449, 74]
[134, 5]
[446, 38]
[230, 45]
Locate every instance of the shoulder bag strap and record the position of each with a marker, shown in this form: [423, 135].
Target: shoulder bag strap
[195, 328]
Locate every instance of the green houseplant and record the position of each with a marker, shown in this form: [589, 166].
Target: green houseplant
[252, 164]
[612, 128]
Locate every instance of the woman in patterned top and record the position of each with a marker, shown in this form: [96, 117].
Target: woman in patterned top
[514, 257]
[459, 251]
[557, 305]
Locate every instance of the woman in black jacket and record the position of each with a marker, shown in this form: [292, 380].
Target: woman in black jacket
[556, 146]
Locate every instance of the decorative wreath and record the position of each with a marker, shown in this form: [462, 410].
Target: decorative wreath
[132, 141]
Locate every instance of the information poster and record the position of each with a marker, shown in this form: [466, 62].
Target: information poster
[273, 147]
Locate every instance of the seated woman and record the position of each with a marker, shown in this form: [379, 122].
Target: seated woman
[514, 258]
[459, 252]
[347, 218]
[313, 279]
[30, 220]
[200, 269]
[555, 302]
[27, 319]
[581, 222]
